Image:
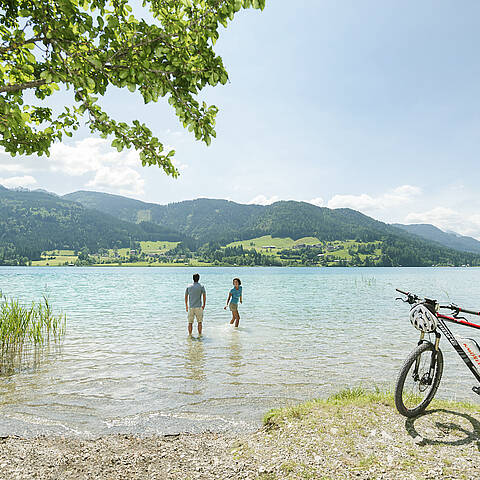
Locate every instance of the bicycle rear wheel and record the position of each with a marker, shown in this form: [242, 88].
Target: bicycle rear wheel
[416, 387]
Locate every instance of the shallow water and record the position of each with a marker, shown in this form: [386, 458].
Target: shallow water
[127, 365]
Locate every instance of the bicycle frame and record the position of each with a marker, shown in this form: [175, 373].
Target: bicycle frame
[427, 375]
[442, 326]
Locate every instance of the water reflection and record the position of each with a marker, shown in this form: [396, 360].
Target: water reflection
[195, 359]
[235, 354]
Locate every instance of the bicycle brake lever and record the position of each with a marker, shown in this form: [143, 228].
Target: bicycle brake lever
[456, 310]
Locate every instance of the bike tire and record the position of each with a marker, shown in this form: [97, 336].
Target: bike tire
[400, 393]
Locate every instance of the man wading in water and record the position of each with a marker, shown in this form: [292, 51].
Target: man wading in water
[193, 303]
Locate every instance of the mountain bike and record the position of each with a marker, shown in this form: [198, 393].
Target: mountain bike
[420, 375]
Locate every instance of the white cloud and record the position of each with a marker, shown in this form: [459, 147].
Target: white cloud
[263, 200]
[13, 182]
[86, 156]
[399, 196]
[125, 181]
[14, 168]
[319, 202]
[111, 170]
[179, 165]
[448, 219]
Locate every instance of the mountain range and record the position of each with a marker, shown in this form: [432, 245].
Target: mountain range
[34, 221]
[222, 220]
[447, 239]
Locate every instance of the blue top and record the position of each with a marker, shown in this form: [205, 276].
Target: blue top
[236, 294]
[194, 293]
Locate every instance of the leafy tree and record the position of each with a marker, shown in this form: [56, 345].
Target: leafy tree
[88, 46]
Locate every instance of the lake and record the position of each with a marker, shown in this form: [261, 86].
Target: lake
[127, 366]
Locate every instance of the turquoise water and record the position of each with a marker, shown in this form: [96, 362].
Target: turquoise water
[127, 365]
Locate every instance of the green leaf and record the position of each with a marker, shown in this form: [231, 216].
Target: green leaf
[90, 83]
[95, 62]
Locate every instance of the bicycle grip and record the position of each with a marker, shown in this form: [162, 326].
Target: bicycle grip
[401, 291]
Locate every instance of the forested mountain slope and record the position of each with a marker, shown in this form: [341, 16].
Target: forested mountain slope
[225, 221]
[450, 240]
[32, 221]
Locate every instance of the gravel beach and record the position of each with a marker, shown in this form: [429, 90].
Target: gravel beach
[362, 437]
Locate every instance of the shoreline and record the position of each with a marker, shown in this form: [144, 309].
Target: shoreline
[103, 265]
[353, 434]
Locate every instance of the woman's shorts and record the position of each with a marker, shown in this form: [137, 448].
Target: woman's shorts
[234, 307]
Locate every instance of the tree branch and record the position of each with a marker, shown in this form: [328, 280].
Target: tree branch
[15, 45]
[22, 86]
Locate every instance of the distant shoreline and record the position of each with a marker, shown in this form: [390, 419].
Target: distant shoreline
[236, 266]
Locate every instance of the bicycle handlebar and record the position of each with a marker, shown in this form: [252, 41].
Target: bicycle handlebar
[412, 298]
[457, 309]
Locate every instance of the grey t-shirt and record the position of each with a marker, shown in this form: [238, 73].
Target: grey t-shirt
[194, 293]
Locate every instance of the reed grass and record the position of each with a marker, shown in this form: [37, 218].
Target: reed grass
[25, 332]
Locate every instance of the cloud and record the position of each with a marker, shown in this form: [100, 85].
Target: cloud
[319, 202]
[263, 200]
[401, 195]
[125, 181]
[180, 166]
[14, 182]
[14, 168]
[111, 170]
[448, 219]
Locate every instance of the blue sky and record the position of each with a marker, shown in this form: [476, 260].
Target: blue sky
[372, 105]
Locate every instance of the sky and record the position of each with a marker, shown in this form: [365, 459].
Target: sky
[370, 105]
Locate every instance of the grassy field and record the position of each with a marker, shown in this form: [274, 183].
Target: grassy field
[57, 260]
[148, 247]
[336, 251]
[260, 243]
[157, 247]
[340, 253]
[191, 263]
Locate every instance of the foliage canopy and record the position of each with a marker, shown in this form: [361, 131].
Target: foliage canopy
[88, 46]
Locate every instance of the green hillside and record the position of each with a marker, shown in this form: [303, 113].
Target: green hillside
[450, 240]
[216, 223]
[203, 219]
[224, 221]
[32, 222]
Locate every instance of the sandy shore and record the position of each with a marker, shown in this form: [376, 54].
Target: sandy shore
[361, 437]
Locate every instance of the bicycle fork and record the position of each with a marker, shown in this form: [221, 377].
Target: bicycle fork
[427, 378]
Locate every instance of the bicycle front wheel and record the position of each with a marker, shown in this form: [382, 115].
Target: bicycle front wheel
[417, 383]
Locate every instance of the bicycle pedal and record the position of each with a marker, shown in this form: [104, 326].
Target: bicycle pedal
[476, 390]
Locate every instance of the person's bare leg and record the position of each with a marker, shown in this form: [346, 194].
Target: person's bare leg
[190, 328]
[199, 326]
[233, 318]
[237, 320]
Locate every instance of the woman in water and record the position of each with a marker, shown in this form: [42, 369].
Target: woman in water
[234, 296]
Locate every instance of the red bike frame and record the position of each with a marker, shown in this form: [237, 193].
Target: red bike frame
[453, 340]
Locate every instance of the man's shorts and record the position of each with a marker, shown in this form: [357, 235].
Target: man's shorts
[196, 312]
[233, 307]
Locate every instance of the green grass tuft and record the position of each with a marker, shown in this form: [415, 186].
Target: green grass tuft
[24, 331]
[356, 396]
